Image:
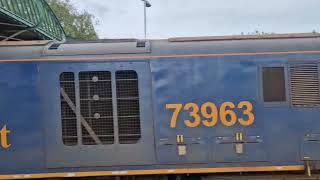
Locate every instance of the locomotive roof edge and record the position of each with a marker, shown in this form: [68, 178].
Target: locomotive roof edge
[245, 37]
[163, 47]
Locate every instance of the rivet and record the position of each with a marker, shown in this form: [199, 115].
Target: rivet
[96, 97]
[97, 115]
[95, 79]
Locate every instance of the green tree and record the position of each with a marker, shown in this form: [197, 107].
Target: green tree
[77, 25]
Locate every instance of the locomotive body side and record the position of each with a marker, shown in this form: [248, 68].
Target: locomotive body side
[171, 108]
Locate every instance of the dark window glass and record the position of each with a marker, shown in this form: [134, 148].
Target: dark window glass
[128, 107]
[274, 88]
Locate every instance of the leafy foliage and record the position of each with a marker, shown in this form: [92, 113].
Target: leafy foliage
[77, 25]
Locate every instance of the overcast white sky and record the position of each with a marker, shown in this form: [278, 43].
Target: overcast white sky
[169, 18]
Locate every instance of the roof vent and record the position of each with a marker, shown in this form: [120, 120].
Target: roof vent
[54, 46]
[66, 49]
[141, 43]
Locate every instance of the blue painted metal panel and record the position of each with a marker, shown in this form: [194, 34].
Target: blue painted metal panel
[219, 79]
[20, 110]
[59, 155]
[253, 150]
[310, 147]
[197, 151]
[30, 107]
[200, 80]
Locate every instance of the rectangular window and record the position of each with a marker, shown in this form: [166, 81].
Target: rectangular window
[68, 115]
[274, 87]
[304, 85]
[128, 107]
[96, 107]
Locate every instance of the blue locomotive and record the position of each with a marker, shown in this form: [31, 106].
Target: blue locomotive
[130, 108]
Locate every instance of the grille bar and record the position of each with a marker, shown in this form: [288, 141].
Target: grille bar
[83, 121]
[96, 106]
[68, 117]
[128, 107]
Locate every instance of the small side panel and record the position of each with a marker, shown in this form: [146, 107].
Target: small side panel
[192, 150]
[310, 147]
[226, 149]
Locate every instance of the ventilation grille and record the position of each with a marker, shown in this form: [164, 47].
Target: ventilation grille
[68, 116]
[96, 106]
[304, 83]
[128, 107]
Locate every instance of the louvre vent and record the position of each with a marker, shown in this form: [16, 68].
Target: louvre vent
[304, 83]
[68, 116]
[128, 107]
[96, 107]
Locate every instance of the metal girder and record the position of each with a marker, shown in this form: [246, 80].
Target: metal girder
[36, 15]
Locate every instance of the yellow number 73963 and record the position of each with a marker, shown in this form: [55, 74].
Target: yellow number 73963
[212, 114]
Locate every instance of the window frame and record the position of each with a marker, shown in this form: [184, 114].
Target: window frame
[286, 85]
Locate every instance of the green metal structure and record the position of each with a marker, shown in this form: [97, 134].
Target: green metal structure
[35, 16]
